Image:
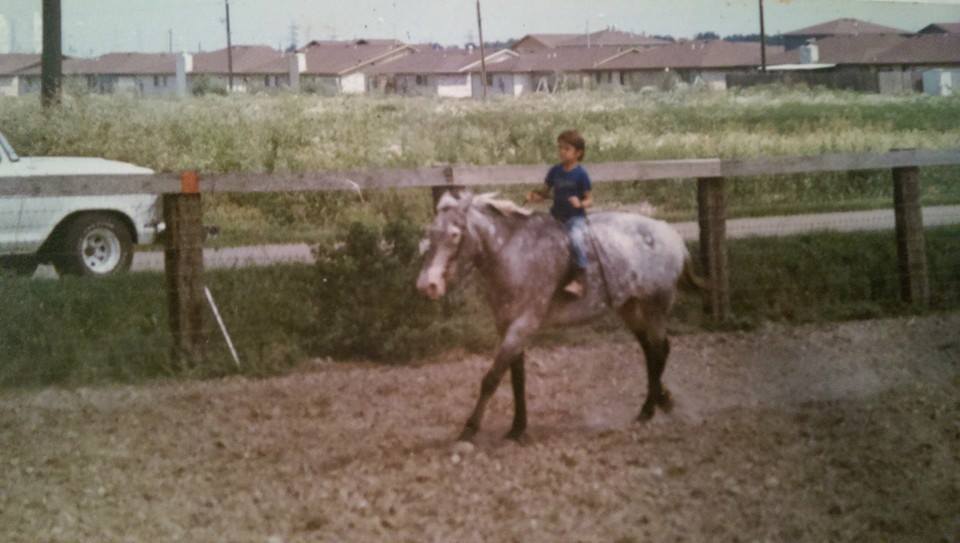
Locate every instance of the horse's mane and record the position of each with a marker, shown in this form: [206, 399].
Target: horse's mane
[502, 206]
[487, 200]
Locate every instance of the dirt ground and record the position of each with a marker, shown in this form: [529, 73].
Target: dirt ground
[845, 432]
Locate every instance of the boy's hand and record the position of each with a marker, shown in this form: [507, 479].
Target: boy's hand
[575, 202]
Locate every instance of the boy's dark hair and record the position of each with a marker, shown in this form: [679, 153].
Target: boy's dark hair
[575, 140]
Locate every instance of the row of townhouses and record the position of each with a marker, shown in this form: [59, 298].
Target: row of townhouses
[846, 53]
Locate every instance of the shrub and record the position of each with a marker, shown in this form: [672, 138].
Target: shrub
[366, 302]
[203, 85]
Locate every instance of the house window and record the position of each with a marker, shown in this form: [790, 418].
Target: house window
[623, 78]
[599, 77]
[421, 80]
[489, 80]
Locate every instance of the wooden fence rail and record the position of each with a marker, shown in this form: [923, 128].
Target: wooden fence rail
[182, 208]
[469, 175]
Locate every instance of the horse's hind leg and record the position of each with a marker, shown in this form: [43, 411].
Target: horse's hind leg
[518, 380]
[656, 349]
[647, 321]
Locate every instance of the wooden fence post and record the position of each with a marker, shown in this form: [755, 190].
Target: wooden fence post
[183, 259]
[439, 190]
[911, 240]
[712, 211]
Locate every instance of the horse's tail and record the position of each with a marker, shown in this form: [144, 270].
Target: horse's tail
[689, 280]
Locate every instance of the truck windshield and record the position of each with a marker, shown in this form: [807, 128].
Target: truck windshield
[8, 149]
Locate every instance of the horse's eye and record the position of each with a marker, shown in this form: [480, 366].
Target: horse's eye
[455, 235]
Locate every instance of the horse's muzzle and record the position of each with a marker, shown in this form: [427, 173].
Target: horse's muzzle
[431, 287]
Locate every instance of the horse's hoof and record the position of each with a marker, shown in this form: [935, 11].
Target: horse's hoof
[665, 401]
[646, 413]
[467, 435]
[519, 436]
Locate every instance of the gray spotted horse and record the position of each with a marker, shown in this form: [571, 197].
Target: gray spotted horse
[523, 258]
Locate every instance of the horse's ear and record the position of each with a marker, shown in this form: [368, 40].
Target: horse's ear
[449, 201]
[465, 200]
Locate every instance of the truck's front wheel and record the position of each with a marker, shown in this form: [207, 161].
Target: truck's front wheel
[95, 244]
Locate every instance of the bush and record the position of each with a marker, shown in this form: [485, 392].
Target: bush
[203, 85]
[366, 301]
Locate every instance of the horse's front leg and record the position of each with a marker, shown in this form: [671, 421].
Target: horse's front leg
[508, 354]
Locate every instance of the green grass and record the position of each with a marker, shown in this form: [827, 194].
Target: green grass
[311, 133]
[74, 331]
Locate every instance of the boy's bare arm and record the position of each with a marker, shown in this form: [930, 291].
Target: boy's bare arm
[586, 202]
[538, 195]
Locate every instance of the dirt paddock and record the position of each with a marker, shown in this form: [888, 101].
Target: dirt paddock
[845, 432]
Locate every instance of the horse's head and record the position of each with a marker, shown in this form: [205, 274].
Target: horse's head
[445, 248]
[459, 236]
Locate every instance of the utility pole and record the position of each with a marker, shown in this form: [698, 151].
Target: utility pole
[170, 39]
[229, 50]
[294, 36]
[52, 61]
[763, 40]
[483, 56]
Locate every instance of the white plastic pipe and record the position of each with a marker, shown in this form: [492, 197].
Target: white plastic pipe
[223, 327]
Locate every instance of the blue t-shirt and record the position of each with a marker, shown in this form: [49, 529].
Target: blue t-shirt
[565, 184]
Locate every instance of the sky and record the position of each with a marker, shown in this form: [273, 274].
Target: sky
[94, 27]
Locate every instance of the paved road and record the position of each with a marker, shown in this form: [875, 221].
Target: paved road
[850, 221]
[854, 221]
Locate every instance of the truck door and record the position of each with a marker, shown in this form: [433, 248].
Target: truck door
[11, 209]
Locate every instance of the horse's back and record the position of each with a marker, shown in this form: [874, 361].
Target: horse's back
[639, 255]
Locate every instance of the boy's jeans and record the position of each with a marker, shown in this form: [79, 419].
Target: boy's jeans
[577, 230]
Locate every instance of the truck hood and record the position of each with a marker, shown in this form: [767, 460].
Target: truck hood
[36, 166]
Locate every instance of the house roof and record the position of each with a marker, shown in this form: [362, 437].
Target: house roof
[941, 28]
[924, 49]
[114, 64]
[131, 64]
[862, 49]
[606, 37]
[15, 62]
[247, 60]
[338, 58]
[566, 59]
[614, 38]
[429, 61]
[358, 42]
[690, 54]
[548, 40]
[443, 61]
[845, 27]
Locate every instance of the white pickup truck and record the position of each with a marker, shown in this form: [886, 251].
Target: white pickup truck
[79, 235]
